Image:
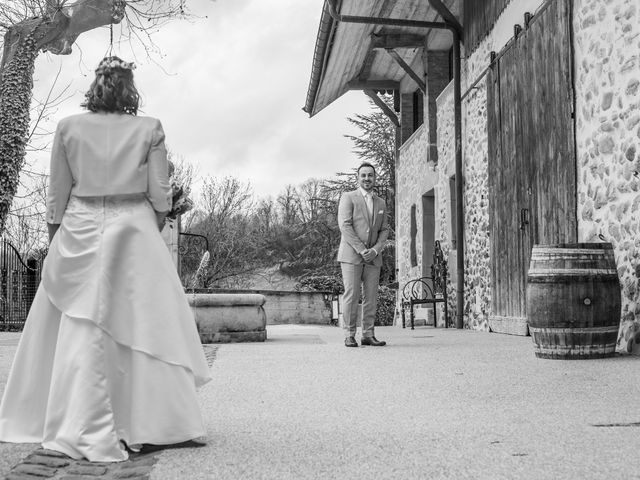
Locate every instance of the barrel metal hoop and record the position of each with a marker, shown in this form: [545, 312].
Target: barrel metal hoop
[562, 275]
[570, 279]
[538, 251]
[606, 329]
[574, 272]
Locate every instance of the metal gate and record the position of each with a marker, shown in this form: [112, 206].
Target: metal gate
[19, 280]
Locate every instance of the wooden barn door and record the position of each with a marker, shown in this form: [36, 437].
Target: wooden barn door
[532, 164]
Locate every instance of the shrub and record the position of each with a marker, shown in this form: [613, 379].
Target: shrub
[386, 306]
[321, 283]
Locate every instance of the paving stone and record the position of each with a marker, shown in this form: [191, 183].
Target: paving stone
[87, 463]
[142, 461]
[80, 477]
[131, 472]
[35, 470]
[94, 470]
[135, 477]
[22, 476]
[53, 462]
[50, 453]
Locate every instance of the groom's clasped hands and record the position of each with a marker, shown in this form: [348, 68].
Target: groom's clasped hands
[369, 255]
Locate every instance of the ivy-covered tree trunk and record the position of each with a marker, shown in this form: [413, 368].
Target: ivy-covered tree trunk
[16, 84]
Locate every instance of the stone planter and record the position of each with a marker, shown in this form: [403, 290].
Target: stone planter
[229, 317]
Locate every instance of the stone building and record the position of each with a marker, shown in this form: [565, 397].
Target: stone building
[547, 129]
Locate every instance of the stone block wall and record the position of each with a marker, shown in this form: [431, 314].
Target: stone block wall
[446, 168]
[414, 177]
[285, 307]
[476, 212]
[607, 89]
[477, 284]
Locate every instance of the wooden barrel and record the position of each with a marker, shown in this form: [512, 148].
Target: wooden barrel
[573, 300]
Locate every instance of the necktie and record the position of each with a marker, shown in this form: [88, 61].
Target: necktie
[369, 201]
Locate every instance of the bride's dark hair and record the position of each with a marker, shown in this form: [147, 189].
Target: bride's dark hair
[113, 89]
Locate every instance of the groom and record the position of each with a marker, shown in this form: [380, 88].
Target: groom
[362, 218]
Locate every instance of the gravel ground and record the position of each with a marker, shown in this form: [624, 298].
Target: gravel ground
[10, 454]
[434, 403]
[431, 404]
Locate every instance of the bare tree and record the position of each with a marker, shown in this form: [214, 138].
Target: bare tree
[225, 218]
[265, 216]
[32, 26]
[309, 192]
[289, 205]
[26, 228]
[303, 235]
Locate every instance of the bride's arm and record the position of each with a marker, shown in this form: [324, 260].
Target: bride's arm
[158, 171]
[53, 228]
[60, 183]
[161, 218]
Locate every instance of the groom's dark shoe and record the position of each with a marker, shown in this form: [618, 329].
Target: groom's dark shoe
[373, 341]
[350, 342]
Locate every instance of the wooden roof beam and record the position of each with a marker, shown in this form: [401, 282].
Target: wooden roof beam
[407, 68]
[373, 85]
[448, 17]
[383, 106]
[365, 71]
[394, 40]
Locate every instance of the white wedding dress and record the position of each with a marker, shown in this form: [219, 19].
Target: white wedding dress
[110, 351]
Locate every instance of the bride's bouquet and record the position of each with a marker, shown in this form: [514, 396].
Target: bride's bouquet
[180, 201]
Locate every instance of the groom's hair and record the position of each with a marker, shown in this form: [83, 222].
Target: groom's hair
[366, 164]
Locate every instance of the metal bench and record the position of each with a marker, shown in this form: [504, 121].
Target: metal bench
[427, 290]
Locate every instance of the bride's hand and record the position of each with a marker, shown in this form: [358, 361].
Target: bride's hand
[161, 218]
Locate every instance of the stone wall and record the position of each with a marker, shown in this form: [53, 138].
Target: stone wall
[415, 177]
[477, 283]
[446, 168]
[607, 83]
[284, 307]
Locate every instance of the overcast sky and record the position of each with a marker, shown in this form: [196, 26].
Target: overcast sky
[229, 89]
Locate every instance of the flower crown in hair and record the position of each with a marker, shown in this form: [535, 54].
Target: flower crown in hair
[114, 62]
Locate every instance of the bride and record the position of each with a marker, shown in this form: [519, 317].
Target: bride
[110, 356]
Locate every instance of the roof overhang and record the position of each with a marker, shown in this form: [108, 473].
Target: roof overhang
[350, 56]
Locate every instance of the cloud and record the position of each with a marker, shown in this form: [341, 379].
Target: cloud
[229, 88]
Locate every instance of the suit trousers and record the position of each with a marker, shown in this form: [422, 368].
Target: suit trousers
[359, 278]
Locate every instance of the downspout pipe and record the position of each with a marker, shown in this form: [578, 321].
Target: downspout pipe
[457, 115]
[456, 31]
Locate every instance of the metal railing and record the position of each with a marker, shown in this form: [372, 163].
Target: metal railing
[19, 280]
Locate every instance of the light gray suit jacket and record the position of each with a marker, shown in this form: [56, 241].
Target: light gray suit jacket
[100, 154]
[360, 232]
